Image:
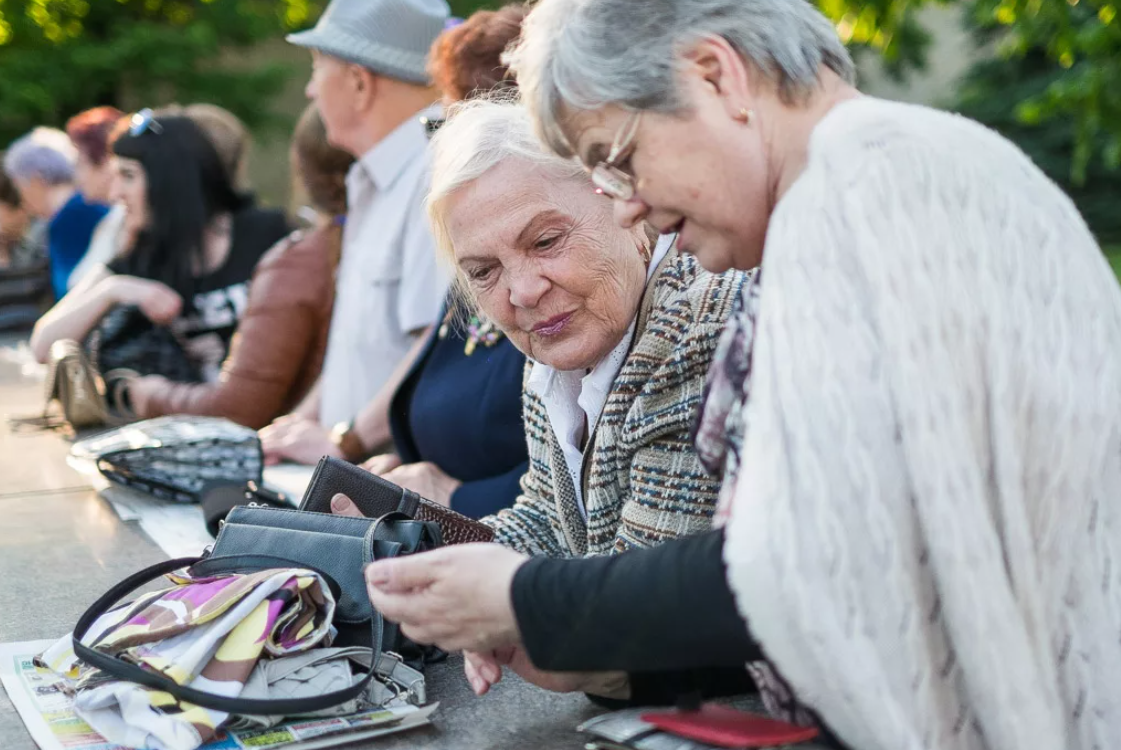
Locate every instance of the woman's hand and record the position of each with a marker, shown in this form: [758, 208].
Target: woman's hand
[383, 464]
[140, 392]
[297, 439]
[484, 671]
[455, 597]
[160, 303]
[425, 479]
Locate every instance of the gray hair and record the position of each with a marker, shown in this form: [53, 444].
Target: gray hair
[588, 54]
[45, 153]
[478, 135]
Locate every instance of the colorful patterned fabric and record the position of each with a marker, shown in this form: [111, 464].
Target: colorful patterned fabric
[643, 481]
[719, 439]
[720, 427]
[207, 633]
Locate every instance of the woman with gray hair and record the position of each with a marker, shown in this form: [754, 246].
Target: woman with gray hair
[618, 325]
[41, 164]
[916, 409]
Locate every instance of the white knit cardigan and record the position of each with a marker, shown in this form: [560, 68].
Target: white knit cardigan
[926, 531]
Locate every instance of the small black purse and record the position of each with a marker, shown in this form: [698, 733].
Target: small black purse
[338, 548]
[125, 339]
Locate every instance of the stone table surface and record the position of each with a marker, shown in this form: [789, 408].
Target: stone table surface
[61, 546]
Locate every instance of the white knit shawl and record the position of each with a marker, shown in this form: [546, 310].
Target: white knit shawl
[926, 532]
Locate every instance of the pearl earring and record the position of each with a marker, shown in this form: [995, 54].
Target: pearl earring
[745, 115]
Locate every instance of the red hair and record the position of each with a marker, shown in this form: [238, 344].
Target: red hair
[90, 131]
[466, 60]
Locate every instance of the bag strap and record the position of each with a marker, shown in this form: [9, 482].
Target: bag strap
[122, 670]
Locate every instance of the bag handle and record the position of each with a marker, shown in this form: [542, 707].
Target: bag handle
[133, 673]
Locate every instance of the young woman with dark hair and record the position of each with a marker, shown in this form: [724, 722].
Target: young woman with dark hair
[197, 241]
[282, 337]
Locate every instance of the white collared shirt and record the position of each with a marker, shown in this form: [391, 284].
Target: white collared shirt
[389, 284]
[570, 398]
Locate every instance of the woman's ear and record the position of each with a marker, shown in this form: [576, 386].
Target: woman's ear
[717, 69]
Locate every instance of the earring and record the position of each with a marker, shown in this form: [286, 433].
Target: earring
[647, 254]
[745, 115]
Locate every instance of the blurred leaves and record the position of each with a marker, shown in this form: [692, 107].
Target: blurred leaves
[1076, 46]
[995, 93]
[58, 57]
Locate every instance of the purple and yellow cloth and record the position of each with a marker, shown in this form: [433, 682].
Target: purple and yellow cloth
[207, 633]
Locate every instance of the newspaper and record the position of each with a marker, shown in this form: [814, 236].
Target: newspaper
[43, 701]
[178, 529]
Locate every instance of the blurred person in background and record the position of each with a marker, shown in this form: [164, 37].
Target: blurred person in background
[455, 413]
[466, 60]
[230, 137]
[42, 164]
[372, 89]
[94, 173]
[22, 237]
[197, 243]
[278, 349]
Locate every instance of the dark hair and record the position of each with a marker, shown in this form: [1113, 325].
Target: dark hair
[187, 188]
[322, 168]
[466, 59]
[9, 193]
[90, 130]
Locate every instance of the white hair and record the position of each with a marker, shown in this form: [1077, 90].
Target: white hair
[588, 54]
[478, 135]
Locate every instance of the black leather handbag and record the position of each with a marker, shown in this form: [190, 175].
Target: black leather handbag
[338, 548]
[124, 339]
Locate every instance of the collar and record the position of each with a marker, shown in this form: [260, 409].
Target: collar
[385, 162]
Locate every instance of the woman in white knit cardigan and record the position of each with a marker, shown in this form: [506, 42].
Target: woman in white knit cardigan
[919, 410]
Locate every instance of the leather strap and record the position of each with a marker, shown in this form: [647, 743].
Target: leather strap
[132, 673]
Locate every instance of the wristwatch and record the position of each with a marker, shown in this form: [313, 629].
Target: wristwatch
[348, 442]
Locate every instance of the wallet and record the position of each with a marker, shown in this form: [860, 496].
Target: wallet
[376, 497]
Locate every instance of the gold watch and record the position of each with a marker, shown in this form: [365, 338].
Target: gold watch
[348, 442]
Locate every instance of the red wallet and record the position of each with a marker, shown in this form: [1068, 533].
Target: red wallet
[727, 727]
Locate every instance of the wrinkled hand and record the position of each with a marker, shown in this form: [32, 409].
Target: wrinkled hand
[297, 439]
[382, 464]
[455, 597]
[425, 479]
[160, 303]
[484, 671]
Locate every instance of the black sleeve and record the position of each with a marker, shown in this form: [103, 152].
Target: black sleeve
[660, 610]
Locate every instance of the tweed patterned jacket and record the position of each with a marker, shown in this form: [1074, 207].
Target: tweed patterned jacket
[643, 481]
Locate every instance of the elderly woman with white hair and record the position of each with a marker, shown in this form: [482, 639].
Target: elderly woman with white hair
[916, 409]
[41, 164]
[619, 327]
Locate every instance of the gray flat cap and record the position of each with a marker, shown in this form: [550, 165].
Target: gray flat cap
[390, 37]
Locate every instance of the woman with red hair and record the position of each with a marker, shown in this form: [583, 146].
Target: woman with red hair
[93, 175]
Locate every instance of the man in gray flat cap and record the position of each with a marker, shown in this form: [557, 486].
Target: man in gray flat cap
[370, 84]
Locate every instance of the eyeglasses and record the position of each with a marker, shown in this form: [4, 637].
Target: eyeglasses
[143, 121]
[608, 178]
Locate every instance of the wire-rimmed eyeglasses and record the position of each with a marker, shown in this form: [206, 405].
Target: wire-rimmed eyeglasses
[608, 178]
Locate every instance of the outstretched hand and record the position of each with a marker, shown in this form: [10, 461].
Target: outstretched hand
[457, 598]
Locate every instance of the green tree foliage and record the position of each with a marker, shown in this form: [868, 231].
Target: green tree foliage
[58, 57]
[1075, 48]
[992, 93]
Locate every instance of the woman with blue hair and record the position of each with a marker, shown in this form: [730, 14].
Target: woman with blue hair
[41, 164]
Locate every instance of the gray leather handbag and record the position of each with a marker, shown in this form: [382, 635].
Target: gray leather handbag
[338, 548]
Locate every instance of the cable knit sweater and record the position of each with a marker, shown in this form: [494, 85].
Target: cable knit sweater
[643, 482]
[926, 530]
